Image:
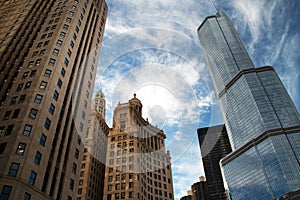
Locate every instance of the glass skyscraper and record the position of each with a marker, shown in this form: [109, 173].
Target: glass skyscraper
[262, 122]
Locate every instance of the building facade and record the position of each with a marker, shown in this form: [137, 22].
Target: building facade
[262, 122]
[137, 165]
[99, 103]
[48, 60]
[92, 171]
[214, 145]
[200, 190]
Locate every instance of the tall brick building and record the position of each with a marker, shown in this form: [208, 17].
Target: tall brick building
[48, 60]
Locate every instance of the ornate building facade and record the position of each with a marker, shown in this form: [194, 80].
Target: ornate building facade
[138, 167]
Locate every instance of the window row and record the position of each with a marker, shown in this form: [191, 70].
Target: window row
[6, 190]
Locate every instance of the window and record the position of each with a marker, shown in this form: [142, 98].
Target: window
[20, 86]
[38, 62]
[51, 109]
[27, 85]
[59, 43]
[59, 83]
[55, 52]
[51, 62]
[2, 147]
[33, 113]
[130, 194]
[66, 62]
[76, 153]
[130, 184]
[7, 115]
[62, 34]
[55, 95]
[5, 192]
[21, 148]
[74, 36]
[30, 64]
[79, 191]
[27, 196]
[74, 168]
[46, 43]
[32, 178]
[43, 139]
[25, 74]
[37, 158]
[2, 128]
[22, 98]
[123, 185]
[42, 52]
[71, 186]
[122, 195]
[43, 85]
[33, 73]
[50, 34]
[9, 130]
[47, 73]
[69, 52]
[27, 130]
[72, 44]
[13, 170]
[63, 72]
[77, 29]
[66, 27]
[38, 98]
[47, 123]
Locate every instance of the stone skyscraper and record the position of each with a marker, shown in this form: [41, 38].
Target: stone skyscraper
[137, 165]
[262, 122]
[48, 61]
[92, 170]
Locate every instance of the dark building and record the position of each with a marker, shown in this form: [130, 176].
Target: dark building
[214, 145]
[200, 190]
[49, 53]
[262, 121]
[187, 197]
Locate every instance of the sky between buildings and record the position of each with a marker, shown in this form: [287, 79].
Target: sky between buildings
[151, 48]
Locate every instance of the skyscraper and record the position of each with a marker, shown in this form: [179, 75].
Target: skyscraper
[137, 165]
[214, 145]
[92, 170]
[99, 103]
[262, 122]
[48, 60]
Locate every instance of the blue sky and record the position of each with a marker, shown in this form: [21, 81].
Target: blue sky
[151, 48]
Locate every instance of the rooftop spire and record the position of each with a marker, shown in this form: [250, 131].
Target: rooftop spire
[213, 4]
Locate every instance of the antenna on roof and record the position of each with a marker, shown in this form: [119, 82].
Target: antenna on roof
[213, 4]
